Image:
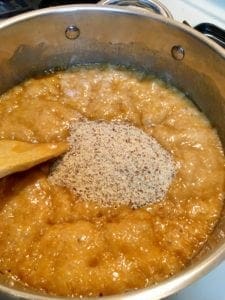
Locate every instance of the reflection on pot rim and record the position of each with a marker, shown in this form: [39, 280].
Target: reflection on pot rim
[152, 6]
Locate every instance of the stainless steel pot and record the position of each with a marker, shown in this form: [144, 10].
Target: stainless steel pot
[64, 36]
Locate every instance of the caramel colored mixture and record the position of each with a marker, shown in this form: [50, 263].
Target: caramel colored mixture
[54, 243]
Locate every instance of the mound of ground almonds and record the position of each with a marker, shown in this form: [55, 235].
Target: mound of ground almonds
[113, 164]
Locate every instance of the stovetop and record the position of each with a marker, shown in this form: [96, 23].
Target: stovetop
[198, 11]
[212, 286]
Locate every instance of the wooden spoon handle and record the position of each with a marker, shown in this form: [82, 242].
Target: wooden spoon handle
[18, 156]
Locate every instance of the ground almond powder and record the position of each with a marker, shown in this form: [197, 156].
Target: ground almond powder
[114, 163]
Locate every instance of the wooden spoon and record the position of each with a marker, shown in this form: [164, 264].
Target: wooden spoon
[18, 156]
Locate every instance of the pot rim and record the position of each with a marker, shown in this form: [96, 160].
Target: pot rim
[189, 274]
[113, 8]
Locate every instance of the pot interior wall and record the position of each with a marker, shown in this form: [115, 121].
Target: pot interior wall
[35, 44]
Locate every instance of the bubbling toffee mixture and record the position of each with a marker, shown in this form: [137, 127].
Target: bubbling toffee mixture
[129, 205]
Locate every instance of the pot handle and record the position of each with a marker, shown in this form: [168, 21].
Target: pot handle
[152, 6]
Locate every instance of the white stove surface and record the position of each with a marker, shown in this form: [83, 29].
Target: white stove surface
[197, 11]
[212, 286]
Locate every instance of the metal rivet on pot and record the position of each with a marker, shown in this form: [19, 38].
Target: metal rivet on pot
[72, 32]
[178, 52]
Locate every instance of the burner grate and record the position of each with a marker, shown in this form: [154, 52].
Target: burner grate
[47, 3]
[213, 32]
[9, 8]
